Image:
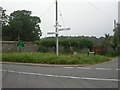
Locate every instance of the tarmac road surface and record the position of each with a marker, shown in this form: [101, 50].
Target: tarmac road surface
[104, 75]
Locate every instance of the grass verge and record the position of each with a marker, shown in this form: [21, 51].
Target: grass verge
[51, 58]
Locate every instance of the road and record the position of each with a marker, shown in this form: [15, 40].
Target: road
[104, 75]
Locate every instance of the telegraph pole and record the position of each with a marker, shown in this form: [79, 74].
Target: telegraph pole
[115, 24]
[56, 29]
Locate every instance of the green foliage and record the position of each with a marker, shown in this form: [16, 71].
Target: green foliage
[5, 18]
[113, 53]
[51, 58]
[88, 44]
[0, 56]
[23, 25]
[76, 44]
[113, 41]
[116, 38]
[96, 41]
[47, 43]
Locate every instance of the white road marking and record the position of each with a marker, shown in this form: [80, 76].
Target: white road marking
[83, 68]
[60, 76]
[11, 71]
[68, 67]
[91, 68]
[3, 70]
[117, 69]
[103, 68]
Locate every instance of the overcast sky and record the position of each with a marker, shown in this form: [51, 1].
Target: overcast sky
[84, 17]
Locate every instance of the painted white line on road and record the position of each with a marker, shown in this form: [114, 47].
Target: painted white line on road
[117, 69]
[101, 79]
[28, 73]
[3, 70]
[50, 75]
[61, 76]
[11, 71]
[68, 67]
[103, 68]
[83, 68]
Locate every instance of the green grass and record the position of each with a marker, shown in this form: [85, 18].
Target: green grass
[0, 56]
[51, 58]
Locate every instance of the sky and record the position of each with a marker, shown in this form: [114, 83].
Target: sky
[83, 17]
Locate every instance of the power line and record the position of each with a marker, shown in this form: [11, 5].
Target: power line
[46, 11]
[61, 16]
[109, 17]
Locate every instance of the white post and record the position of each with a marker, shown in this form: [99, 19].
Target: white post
[57, 46]
[115, 24]
[57, 49]
[57, 30]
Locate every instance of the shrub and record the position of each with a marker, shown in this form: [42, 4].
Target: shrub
[113, 53]
[51, 58]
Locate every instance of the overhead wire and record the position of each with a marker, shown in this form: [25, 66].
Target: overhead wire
[61, 17]
[62, 20]
[47, 10]
[106, 15]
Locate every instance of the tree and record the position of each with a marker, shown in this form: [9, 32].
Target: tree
[5, 18]
[88, 44]
[23, 26]
[107, 40]
[5, 27]
[116, 38]
[69, 45]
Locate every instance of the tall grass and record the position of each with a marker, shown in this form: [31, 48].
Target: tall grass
[51, 58]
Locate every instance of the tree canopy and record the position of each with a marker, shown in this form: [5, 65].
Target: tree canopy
[22, 26]
[117, 33]
[116, 39]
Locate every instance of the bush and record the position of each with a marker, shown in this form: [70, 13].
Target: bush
[47, 43]
[51, 58]
[113, 53]
[76, 44]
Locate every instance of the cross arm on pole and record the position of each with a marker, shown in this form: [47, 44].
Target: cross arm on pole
[63, 29]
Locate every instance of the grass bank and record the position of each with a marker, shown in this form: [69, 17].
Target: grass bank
[51, 58]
